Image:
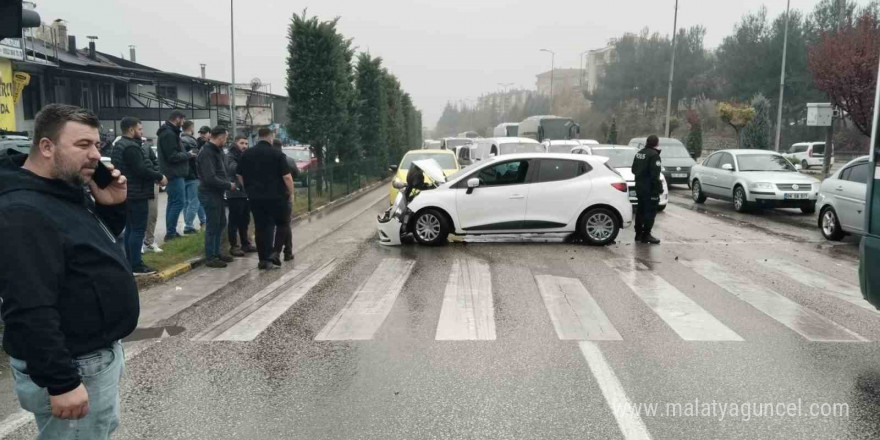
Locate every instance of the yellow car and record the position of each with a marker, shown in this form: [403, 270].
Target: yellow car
[445, 158]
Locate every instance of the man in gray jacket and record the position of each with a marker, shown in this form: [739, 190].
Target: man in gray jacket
[174, 164]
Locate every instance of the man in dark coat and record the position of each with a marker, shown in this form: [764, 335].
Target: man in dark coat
[283, 234]
[212, 187]
[647, 168]
[174, 164]
[192, 206]
[237, 199]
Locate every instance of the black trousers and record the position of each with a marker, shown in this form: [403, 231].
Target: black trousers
[646, 211]
[239, 220]
[268, 216]
[283, 234]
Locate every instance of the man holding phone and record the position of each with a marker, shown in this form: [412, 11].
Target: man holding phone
[130, 158]
[68, 293]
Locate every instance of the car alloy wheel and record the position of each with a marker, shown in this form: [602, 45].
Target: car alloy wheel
[739, 199]
[831, 226]
[428, 227]
[599, 227]
[697, 192]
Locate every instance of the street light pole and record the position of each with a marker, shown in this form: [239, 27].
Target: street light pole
[232, 50]
[552, 70]
[782, 80]
[671, 68]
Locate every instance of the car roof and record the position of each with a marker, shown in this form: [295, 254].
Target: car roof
[744, 152]
[431, 151]
[563, 142]
[581, 157]
[510, 140]
[612, 147]
[808, 143]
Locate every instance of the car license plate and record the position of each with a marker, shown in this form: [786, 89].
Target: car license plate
[795, 196]
[679, 175]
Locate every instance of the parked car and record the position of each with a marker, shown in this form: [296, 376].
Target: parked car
[841, 201]
[500, 146]
[450, 143]
[520, 193]
[753, 179]
[445, 158]
[808, 154]
[20, 145]
[305, 161]
[620, 157]
[677, 161]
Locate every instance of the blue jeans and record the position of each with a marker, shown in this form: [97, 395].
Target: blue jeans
[138, 212]
[216, 216]
[101, 371]
[193, 206]
[176, 191]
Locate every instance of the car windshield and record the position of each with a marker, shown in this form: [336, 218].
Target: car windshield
[673, 152]
[617, 157]
[514, 148]
[298, 155]
[452, 143]
[764, 162]
[446, 161]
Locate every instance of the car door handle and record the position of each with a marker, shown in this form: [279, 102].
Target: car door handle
[517, 196]
[839, 188]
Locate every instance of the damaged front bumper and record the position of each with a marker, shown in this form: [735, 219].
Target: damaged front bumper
[391, 223]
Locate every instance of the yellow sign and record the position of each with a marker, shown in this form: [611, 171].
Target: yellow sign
[7, 103]
[20, 80]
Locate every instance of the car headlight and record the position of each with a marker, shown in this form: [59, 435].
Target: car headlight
[761, 185]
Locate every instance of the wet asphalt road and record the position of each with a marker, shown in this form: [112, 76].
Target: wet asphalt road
[672, 336]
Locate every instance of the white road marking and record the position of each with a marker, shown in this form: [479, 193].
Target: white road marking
[468, 313]
[247, 307]
[682, 314]
[575, 314]
[251, 325]
[628, 420]
[369, 306]
[807, 323]
[824, 283]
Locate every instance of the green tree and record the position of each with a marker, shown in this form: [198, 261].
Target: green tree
[317, 79]
[694, 141]
[372, 108]
[612, 133]
[737, 116]
[756, 133]
[396, 134]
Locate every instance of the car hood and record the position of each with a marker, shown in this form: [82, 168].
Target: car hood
[432, 170]
[778, 177]
[671, 164]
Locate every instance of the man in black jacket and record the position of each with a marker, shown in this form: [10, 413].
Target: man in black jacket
[134, 163]
[647, 168]
[237, 199]
[212, 187]
[283, 233]
[67, 289]
[266, 177]
[174, 164]
[192, 206]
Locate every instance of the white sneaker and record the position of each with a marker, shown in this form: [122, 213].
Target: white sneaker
[155, 248]
[143, 249]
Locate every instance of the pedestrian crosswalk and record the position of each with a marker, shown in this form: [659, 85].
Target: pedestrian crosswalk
[468, 307]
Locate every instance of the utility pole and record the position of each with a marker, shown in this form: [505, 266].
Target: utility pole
[552, 72]
[232, 50]
[671, 68]
[782, 79]
[829, 136]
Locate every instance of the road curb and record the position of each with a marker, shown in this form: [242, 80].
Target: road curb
[179, 269]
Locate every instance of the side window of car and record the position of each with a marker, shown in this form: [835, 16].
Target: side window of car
[712, 161]
[507, 173]
[552, 170]
[859, 173]
[844, 175]
[726, 158]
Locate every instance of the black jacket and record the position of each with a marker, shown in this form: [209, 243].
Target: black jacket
[647, 168]
[212, 170]
[233, 156]
[68, 290]
[189, 144]
[173, 158]
[132, 160]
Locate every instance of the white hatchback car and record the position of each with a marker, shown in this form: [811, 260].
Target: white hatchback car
[753, 178]
[808, 154]
[515, 194]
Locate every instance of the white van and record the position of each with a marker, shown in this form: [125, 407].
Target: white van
[500, 146]
[506, 129]
[808, 154]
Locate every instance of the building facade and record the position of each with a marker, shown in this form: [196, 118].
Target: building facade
[597, 62]
[562, 80]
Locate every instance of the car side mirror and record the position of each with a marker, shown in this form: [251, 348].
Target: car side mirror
[392, 168]
[727, 167]
[472, 184]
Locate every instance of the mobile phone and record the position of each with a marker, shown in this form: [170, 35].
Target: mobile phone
[102, 176]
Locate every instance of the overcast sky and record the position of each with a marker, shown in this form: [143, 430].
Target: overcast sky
[442, 50]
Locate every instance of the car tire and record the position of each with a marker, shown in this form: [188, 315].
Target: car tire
[832, 230]
[809, 208]
[805, 165]
[430, 228]
[740, 201]
[697, 192]
[599, 226]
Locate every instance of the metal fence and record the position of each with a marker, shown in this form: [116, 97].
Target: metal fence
[324, 184]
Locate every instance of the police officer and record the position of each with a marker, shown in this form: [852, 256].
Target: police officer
[646, 167]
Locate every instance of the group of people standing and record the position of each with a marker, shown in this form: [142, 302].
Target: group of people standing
[204, 179]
